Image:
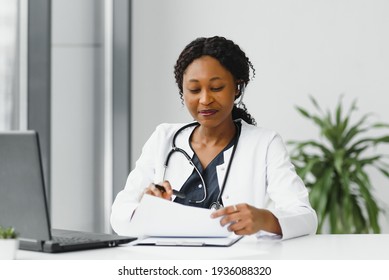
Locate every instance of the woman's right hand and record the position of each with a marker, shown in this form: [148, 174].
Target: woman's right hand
[153, 190]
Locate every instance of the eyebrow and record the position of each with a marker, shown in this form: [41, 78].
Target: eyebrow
[212, 79]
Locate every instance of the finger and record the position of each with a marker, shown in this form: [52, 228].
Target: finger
[225, 211]
[165, 190]
[241, 232]
[232, 215]
[167, 185]
[240, 228]
[237, 225]
[231, 218]
[159, 187]
[219, 213]
[155, 191]
[148, 190]
[243, 229]
[231, 209]
[168, 188]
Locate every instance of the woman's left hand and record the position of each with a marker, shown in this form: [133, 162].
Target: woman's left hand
[245, 219]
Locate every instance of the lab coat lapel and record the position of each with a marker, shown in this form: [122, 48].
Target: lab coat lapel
[239, 183]
[221, 169]
[234, 179]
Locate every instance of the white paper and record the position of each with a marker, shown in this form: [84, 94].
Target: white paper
[160, 217]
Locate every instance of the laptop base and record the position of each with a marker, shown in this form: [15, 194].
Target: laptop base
[77, 240]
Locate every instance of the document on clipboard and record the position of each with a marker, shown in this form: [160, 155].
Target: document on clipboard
[162, 222]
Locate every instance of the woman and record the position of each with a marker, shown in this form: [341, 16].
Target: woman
[240, 169]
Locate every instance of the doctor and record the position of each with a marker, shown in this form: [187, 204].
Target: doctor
[222, 160]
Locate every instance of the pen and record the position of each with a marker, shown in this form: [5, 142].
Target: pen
[176, 193]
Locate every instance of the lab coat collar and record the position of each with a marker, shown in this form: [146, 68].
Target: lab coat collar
[182, 140]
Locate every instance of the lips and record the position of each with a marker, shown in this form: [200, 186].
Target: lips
[208, 112]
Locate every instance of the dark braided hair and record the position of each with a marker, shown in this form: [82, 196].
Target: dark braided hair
[229, 55]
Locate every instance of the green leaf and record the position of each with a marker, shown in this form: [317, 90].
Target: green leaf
[369, 202]
[314, 102]
[333, 217]
[303, 112]
[322, 124]
[371, 141]
[338, 160]
[356, 151]
[312, 144]
[346, 201]
[380, 125]
[383, 171]
[8, 233]
[308, 167]
[382, 139]
[339, 112]
[359, 220]
[355, 130]
[319, 196]
[370, 160]
[353, 107]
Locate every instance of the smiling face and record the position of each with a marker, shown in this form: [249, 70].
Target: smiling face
[209, 92]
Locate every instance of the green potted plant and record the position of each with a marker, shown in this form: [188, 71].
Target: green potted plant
[9, 243]
[334, 168]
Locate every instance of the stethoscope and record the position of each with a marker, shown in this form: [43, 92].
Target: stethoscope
[215, 205]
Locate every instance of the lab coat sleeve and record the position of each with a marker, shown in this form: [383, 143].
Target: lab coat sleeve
[288, 193]
[140, 178]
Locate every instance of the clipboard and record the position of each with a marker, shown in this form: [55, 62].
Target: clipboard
[177, 225]
[189, 241]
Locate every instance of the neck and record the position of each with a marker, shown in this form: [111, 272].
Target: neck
[214, 136]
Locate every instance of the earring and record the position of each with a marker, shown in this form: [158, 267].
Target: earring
[241, 89]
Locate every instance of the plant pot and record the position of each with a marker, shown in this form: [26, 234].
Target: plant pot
[8, 248]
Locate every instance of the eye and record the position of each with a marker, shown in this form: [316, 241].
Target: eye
[216, 89]
[194, 90]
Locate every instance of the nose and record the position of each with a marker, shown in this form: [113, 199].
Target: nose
[206, 97]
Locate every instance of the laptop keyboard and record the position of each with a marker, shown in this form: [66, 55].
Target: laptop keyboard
[72, 240]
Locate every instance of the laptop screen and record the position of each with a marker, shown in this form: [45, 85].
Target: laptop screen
[22, 191]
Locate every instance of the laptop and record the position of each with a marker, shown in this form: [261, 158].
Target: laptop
[23, 203]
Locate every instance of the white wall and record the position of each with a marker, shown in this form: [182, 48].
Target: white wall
[323, 48]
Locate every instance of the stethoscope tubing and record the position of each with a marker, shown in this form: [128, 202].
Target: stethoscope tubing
[183, 152]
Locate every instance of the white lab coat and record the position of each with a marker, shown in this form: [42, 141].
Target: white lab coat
[261, 175]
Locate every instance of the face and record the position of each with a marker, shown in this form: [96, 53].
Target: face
[209, 92]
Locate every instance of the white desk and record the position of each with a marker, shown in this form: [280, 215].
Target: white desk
[318, 247]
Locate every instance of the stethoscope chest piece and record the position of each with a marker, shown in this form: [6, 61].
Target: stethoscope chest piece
[216, 206]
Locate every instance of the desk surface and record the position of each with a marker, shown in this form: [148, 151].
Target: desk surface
[317, 247]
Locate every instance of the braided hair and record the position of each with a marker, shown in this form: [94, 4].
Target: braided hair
[230, 56]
